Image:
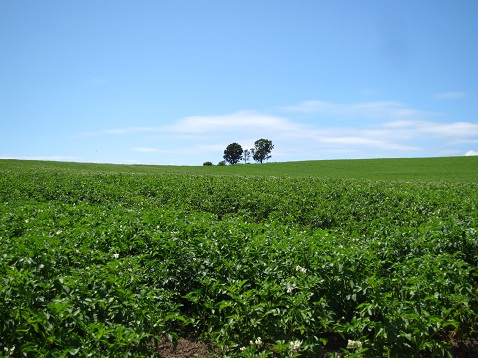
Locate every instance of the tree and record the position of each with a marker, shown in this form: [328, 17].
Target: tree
[262, 150]
[233, 153]
[207, 163]
[246, 154]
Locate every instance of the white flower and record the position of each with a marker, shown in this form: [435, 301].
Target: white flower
[290, 288]
[242, 349]
[354, 344]
[59, 232]
[8, 351]
[258, 341]
[301, 269]
[27, 221]
[295, 345]
[115, 255]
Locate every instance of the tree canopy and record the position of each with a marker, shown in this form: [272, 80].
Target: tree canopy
[233, 153]
[262, 150]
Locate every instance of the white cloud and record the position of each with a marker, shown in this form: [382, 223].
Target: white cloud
[118, 131]
[144, 149]
[454, 129]
[129, 130]
[446, 130]
[312, 106]
[402, 130]
[330, 130]
[53, 158]
[370, 140]
[245, 127]
[242, 120]
[471, 152]
[202, 149]
[449, 95]
[371, 110]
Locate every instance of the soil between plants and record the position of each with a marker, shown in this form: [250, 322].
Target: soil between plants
[192, 347]
[186, 348]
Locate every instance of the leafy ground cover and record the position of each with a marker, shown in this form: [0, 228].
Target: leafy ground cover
[114, 263]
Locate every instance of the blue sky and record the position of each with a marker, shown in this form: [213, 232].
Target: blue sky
[175, 82]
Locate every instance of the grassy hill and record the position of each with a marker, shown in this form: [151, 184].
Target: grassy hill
[434, 169]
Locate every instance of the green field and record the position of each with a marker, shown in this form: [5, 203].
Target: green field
[445, 168]
[364, 258]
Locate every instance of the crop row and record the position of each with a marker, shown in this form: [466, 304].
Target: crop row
[108, 264]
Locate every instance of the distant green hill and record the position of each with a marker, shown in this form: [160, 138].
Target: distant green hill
[433, 169]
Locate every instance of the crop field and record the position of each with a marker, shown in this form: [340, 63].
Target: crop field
[429, 169]
[246, 261]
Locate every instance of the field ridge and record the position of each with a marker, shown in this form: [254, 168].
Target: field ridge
[434, 169]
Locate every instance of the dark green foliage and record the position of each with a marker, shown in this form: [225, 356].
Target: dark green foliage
[207, 163]
[262, 150]
[104, 263]
[233, 153]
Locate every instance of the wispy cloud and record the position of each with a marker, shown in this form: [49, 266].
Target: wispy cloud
[202, 149]
[120, 131]
[368, 139]
[243, 127]
[54, 158]
[145, 149]
[449, 95]
[312, 106]
[402, 129]
[130, 130]
[329, 130]
[419, 128]
[371, 110]
[471, 152]
[229, 122]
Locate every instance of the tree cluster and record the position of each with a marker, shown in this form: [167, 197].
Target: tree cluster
[234, 153]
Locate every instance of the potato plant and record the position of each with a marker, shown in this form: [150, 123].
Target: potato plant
[108, 264]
